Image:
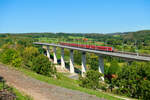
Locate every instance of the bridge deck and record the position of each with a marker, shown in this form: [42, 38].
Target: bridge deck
[114, 54]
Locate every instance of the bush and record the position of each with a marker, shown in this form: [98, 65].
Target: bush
[91, 80]
[17, 61]
[7, 56]
[11, 56]
[145, 90]
[29, 54]
[134, 81]
[42, 65]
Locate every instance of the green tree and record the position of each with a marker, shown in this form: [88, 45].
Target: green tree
[77, 57]
[92, 60]
[112, 72]
[114, 68]
[145, 90]
[134, 80]
[91, 80]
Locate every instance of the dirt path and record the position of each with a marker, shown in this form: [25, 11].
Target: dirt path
[40, 90]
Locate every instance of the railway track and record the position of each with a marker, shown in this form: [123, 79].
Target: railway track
[102, 48]
[124, 55]
[132, 53]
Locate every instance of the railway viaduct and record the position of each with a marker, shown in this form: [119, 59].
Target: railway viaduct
[83, 50]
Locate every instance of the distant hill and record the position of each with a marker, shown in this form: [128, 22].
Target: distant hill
[139, 35]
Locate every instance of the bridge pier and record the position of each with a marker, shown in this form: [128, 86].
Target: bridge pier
[71, 62]
[62, 58]
[101, 65]
[83, 64]
[54, 53]
[48, 52]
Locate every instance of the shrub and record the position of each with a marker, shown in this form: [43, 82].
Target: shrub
[134, 81]
[11, 56]
[7, 56]
[17, 61]
[145, 90]
[29, 54]
[42, 65]
[91, 80]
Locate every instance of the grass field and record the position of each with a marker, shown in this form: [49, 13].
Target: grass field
[66, 83]
[54, 40]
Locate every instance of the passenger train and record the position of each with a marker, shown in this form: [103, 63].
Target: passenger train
[101, 48]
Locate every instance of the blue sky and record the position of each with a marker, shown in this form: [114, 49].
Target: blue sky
[102, 16]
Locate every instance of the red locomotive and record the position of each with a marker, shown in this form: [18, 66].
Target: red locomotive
[101, 48]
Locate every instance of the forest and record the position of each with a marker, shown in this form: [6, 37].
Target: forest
[127, 78]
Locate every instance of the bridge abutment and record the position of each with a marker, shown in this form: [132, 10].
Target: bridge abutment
[83, 71]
